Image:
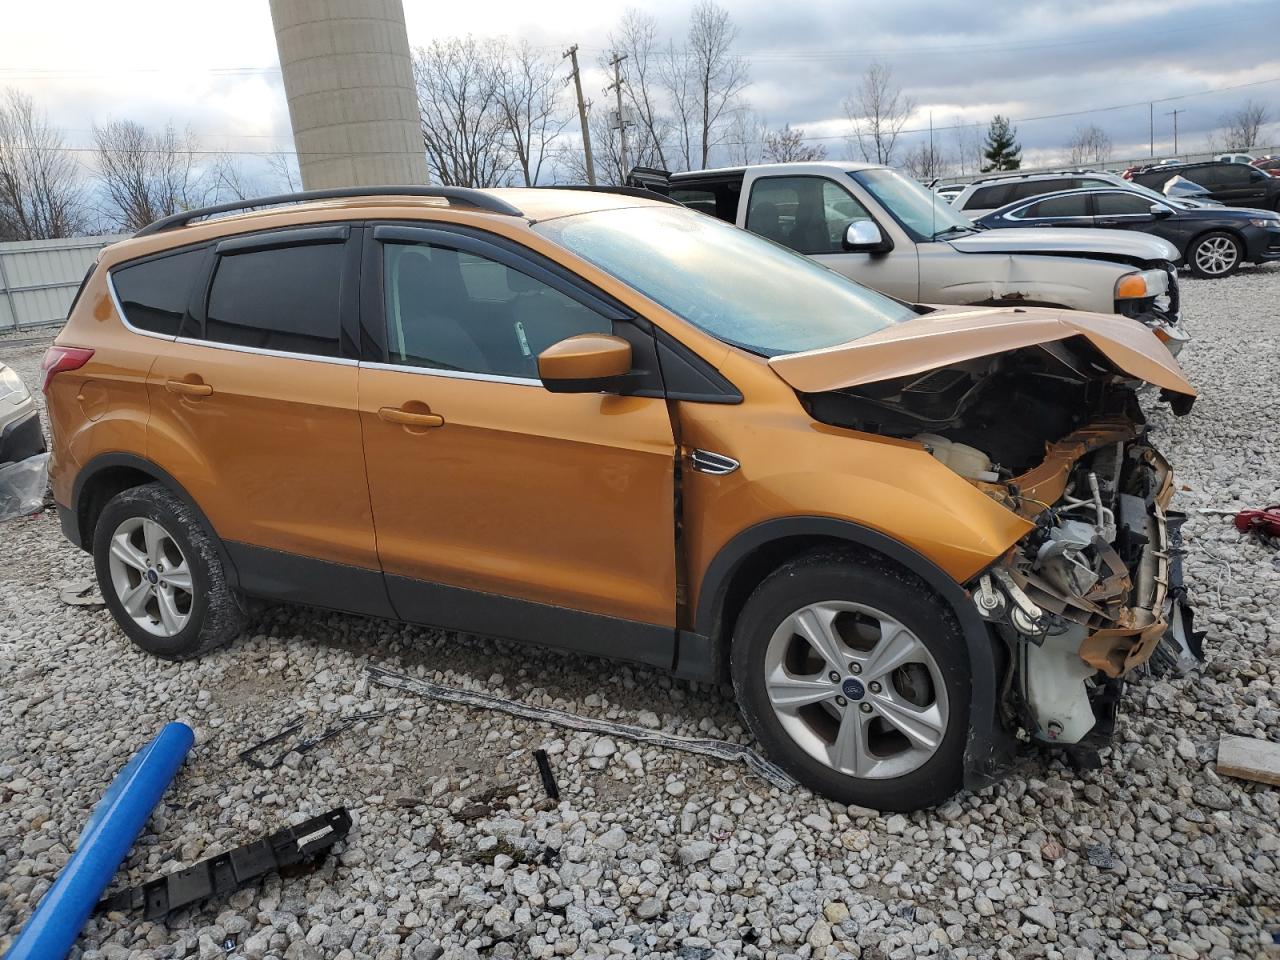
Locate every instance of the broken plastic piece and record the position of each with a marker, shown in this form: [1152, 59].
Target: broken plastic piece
[548, 778]
[308, 842]
[720, 749]
[249, 754]
[22, 486]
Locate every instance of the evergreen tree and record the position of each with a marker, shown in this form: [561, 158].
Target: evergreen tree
[1001, 150]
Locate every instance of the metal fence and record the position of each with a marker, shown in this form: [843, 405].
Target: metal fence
[38, 279]
[1114, 164]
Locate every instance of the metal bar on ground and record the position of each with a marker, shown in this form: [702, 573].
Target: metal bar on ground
[721, 749]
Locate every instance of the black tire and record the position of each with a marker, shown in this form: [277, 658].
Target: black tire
[827, 576]
[1202, 244]
[216, 614]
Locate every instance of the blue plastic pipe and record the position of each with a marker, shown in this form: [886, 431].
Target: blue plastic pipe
[113, 826]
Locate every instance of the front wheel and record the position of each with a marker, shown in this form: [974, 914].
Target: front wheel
[1215, 255]
[161, 576]
[855, 678]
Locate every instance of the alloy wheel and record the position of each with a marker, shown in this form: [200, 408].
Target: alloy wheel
[1216, 256]
[856, 689]
[151, 576]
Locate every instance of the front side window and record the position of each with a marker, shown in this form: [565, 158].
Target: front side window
[988, 198]
[155, 294]
[453, 310]
[808, 214]
[1122, 204]
[727, 282]
[1074, 205]
[283, 299]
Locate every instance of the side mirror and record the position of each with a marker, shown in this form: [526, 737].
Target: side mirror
[1160, 212]
[587, 363]
[864, 236]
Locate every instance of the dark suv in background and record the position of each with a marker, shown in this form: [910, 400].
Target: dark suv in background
[1234, 184]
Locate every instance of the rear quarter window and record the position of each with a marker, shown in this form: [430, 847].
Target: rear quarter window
[155, 294]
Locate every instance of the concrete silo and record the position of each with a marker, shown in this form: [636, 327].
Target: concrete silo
[348, 77]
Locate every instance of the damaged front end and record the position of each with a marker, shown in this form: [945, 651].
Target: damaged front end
[1054, 432]
[1095, 590]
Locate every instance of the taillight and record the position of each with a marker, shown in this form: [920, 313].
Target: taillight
[61, 359]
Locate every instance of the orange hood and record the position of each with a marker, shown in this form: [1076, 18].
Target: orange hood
[955, 334]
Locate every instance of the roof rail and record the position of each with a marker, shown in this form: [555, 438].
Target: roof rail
[467, 195]
[642, 192]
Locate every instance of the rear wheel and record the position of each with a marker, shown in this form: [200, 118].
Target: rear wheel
[1215, 255]
[855, 679]
[161, 576]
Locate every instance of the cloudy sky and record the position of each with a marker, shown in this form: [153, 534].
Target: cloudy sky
[212, 66]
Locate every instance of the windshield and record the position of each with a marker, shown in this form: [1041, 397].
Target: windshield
[736, 286]
[920, 211]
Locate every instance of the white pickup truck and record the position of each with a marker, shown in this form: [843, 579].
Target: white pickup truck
[886, 231]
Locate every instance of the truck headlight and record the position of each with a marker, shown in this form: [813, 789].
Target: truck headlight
[1142, 284]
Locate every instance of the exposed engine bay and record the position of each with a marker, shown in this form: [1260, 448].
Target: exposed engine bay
[1054, 433]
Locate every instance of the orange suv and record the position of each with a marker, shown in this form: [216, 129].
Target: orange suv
[914, 538]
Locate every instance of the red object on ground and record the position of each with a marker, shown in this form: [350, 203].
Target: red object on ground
[1265, 521]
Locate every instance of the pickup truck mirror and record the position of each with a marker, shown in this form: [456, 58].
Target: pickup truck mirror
[1160, 212]
[587, 363]
[864, 236]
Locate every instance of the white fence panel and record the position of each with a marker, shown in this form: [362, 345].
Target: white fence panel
[39, 278]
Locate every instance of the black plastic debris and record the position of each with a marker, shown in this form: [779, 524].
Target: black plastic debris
[548, 778]
[250, 754]
[305, 844]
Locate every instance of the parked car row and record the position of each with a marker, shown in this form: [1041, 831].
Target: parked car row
[916, 539]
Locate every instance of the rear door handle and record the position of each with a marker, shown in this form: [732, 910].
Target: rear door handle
[186, 389]
[410, 418]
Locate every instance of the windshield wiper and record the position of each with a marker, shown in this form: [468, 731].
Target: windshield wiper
[958, 228]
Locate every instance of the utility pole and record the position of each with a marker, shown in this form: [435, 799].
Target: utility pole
[616, 86]
[572, 54]
[1151, 125]
[1174, 114]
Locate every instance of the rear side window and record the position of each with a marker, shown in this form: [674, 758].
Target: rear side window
[155, 294]
[1076, 205]
[988, 198]
[281, 299]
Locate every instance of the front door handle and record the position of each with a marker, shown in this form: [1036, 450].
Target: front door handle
[410, 418]
[186, 388]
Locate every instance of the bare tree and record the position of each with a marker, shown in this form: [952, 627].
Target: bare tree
[968, 155]
[463, 125]
[703, 81]
[926, 161]
[744, 139]
[1243, 127]
[230, 181]
[788, 145]
[530, 98]
[636, 38]
[878, 110]
[41, 194]
[284, 170]
[145, 175]
[1089, 144]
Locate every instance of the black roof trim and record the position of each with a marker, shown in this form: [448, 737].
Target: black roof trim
[465, 195]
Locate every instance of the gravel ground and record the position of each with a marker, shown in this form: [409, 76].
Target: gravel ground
[457, 851]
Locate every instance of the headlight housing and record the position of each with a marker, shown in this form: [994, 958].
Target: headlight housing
[1264, 221]
[1142, 284]
[12, 388]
